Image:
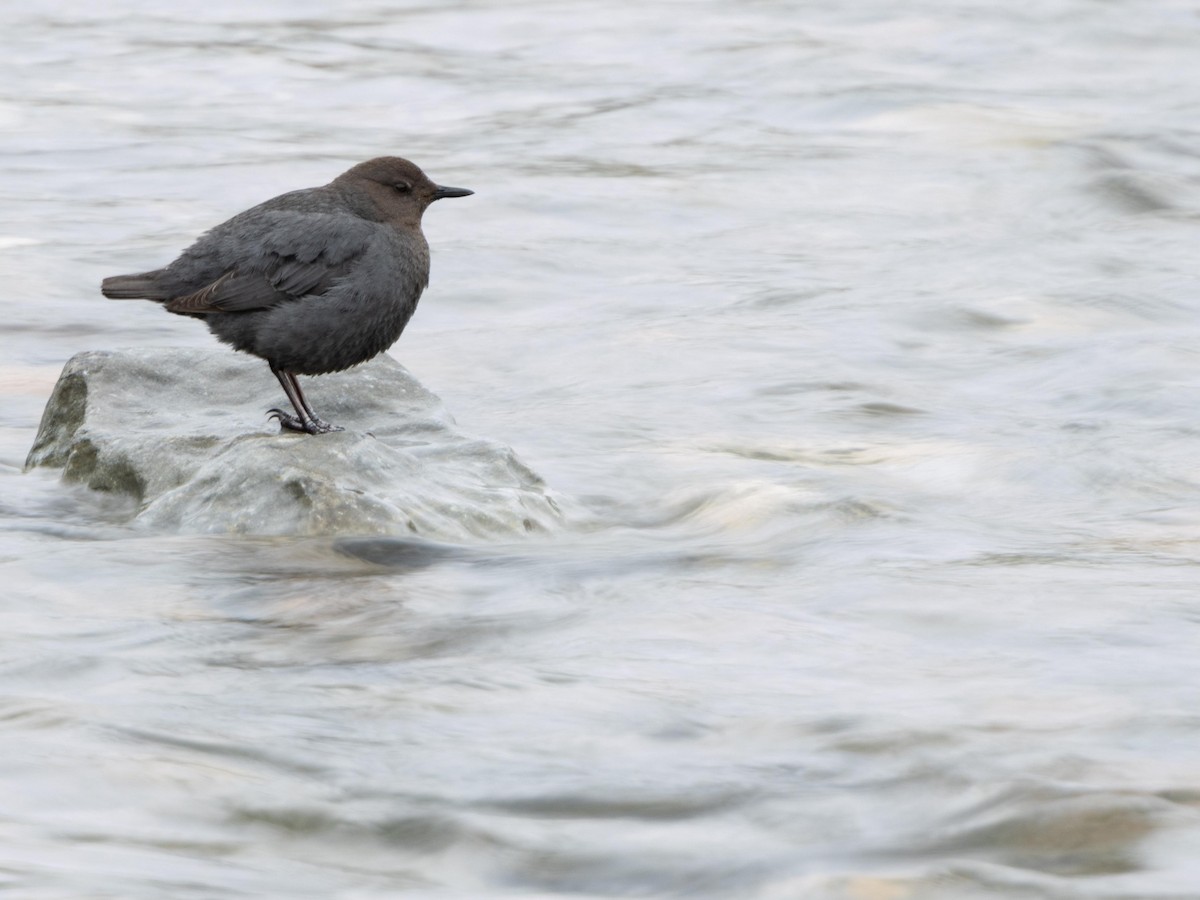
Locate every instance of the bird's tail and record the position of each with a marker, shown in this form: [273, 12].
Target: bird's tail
[145, 286]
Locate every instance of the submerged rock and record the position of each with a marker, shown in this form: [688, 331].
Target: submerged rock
[176, 430]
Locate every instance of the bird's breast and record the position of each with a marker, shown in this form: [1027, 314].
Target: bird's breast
[357, 318]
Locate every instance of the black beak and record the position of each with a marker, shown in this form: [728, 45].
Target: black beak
[450, 192]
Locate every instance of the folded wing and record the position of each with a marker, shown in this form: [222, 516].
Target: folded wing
[278, 256]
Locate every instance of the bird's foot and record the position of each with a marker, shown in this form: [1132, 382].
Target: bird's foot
[288, 422]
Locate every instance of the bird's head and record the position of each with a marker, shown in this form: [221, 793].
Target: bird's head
[397, 188]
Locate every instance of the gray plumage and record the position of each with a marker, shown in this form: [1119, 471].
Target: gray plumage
[312, 281]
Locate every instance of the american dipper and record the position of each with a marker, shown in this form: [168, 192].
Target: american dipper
[312, 281]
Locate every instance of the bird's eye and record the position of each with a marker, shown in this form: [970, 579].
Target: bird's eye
[402, 186]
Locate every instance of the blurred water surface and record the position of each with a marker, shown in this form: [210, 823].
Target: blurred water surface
[862, 340]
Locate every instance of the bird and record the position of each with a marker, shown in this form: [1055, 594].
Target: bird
[312, 281]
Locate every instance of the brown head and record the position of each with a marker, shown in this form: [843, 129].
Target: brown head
[394, 189]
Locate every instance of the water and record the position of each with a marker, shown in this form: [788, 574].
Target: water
[862, 343]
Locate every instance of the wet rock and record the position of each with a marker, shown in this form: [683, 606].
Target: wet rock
[185, 433]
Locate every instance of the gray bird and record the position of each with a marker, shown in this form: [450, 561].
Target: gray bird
[312, 281]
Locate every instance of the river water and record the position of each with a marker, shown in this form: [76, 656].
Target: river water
[860, 339]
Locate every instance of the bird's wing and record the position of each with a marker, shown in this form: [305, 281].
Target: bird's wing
[278, 256]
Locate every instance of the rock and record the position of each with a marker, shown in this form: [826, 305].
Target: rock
[185, 433]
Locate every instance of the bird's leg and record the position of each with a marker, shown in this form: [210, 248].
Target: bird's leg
[321, 426]
[304, 420]
[287, 421]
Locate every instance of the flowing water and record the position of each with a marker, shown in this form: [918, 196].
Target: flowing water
[862, 342]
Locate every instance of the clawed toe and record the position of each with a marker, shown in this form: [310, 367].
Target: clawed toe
[288, 422]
